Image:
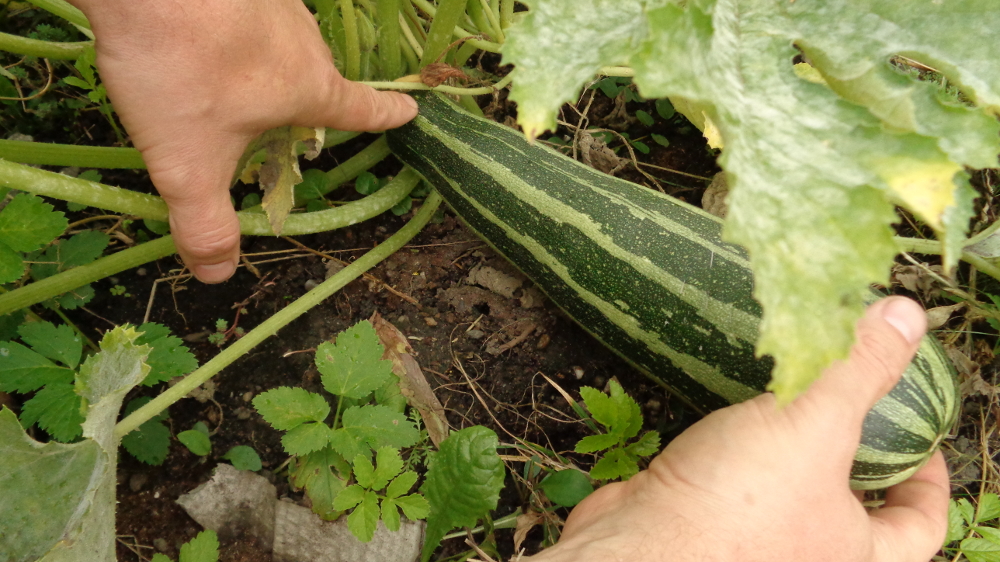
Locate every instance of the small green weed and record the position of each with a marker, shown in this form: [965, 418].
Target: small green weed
[197, 439]
[621, 417]
[972, 530]
[202, 548]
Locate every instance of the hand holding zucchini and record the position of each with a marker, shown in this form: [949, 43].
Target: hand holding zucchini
[647, 275]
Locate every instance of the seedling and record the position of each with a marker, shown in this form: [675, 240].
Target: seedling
[202, 548]
[972, 530]
[621, 417]
[386, 476]
[197, 439]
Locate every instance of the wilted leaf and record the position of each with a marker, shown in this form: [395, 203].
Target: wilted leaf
[279, 174]
[413, 385]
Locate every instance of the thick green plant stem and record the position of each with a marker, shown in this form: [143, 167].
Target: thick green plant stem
[269, 327]
[110, 158]
[338, 217]
[91, 194]
[352, 44]
[251, 223]
[506, 13]
[49, 287]
[65, 10]
[933, 247]
[44, 49]
[498, 34]
[49, 154]
[389, 51]
[353, 166]
[439, 37]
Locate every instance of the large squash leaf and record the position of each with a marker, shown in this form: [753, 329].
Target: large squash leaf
[57, 501]
[816, 159]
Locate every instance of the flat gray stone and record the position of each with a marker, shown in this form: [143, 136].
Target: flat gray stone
[234, 502]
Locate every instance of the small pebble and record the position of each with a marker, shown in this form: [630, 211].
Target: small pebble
[137, 481]
[578, 372]
[141, 272]
[161, 544]
[475, 334]
[242, 413]
[311, 284]
[247, 396]
[653, 405]
[543, 342]
[403, 319]
[430, 321]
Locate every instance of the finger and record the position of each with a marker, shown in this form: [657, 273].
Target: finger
[914, 521]
[195, 186]
[356, 107]
[887, 337]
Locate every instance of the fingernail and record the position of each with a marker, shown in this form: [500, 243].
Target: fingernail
[411, 102]
[905, 316]
[215, 272]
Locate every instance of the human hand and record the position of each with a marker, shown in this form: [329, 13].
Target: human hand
[754, 483]
[194, 82]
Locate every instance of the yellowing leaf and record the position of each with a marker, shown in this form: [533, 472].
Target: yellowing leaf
[925, 187]
[712, 133]
[280, 171]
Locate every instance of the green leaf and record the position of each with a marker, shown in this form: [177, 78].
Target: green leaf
[202, 548]
[610, 30]
[388, 395]
[980, 550]
[74, 81]
[23, 370]
[414, 506]
[196, 442]
[664, 108]
[566, 487]
[366, 183]
[401, 484]
[10, 323]
[306, 438]
[991, 534]
[286, 407]
[169, 357]
[403, 207]
[967, 510]
[594, 443]
[81, 248]
[158, 557]
[90, 175]
[364, 471]
[648, 444]
[640, 146]
[644, 118]
[989, 508]
[27, 223]
[150, 443]
[956, 524]
[617, 411]
[56, 409]
[250, 200]
[388, 463]
[11, 264]
[660, 139]
[42, 483]
[313, 181]
[349, 497]
[315, 473]
[616, 463]
[390, 514]
[202, 427]
[244, 457]
[59, 343]
[72, 300]
[378, 426]
[353, 367]
[817, 167]
[363, 520]
[348, 445]
[463, 483]
[162, 228]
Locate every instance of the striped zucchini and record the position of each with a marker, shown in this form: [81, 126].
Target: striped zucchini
[647, 275]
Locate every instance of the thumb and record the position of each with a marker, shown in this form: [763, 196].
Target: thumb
[357, 107]
[887, 338]
[194, 182]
